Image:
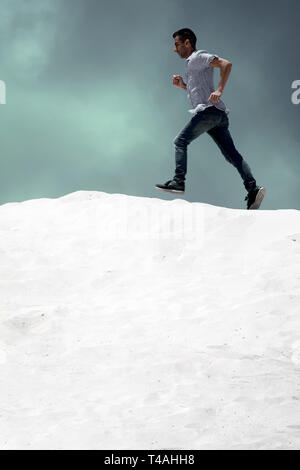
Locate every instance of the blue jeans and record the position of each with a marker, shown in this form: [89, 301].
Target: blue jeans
[215, 122]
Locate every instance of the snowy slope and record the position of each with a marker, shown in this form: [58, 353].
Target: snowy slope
[141, 323]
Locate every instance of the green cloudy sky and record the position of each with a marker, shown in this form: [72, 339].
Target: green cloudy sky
[90, 103]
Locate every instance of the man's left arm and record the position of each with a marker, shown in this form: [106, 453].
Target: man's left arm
[225, 69]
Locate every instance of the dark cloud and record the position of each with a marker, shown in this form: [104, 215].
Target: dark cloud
[90, 103]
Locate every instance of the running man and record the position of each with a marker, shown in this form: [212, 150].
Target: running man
[210, 115]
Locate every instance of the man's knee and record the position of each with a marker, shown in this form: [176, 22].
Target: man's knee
[180, 142]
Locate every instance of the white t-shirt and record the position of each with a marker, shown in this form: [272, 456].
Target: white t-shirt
[200, 81]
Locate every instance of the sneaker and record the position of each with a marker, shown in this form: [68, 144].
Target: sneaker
[255, 197]
[171, 186]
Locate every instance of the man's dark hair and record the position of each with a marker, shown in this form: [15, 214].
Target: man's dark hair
[184, 34]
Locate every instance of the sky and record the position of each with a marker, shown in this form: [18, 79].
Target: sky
[90, 103]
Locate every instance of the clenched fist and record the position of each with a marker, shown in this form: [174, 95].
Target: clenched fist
[215, 96]
[177, 81]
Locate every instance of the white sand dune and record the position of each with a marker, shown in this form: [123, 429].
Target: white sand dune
[141, 323]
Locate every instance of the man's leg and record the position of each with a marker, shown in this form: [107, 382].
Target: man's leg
[199, 124]
[223, 139]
